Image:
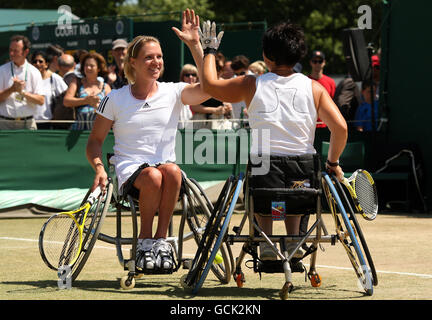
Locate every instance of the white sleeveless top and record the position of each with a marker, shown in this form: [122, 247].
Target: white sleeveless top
[284, 108]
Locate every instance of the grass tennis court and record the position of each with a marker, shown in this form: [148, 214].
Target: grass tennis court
[399, 244]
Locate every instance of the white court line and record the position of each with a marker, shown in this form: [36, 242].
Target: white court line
[428, 276]
[33, 240]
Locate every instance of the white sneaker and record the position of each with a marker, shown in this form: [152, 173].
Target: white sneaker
[162, 250]
[266, 252]
[145, 256]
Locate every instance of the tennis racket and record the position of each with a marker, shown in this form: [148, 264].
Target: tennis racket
[61, 237]
[363, 191]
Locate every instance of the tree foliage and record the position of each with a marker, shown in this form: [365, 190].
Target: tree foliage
[322, 21]
[152, 7]
[81, 8]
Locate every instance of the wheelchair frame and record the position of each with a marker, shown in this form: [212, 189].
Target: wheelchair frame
[363, 268]
[192, 199]
[196, 209]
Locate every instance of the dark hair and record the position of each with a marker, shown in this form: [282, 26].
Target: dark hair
[100, 60]
[367, 84]
[78, 54]
[39, 53]
[53, 51]
[24, 39]
[284, 44]
[240, 62]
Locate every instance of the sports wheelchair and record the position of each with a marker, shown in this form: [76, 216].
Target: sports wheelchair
[348, 232]
[196, 209]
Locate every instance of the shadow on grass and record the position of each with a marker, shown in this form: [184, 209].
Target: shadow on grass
[166, 290]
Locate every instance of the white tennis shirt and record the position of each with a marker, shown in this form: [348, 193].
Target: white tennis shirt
[144, 130]
[14, 106]
[285, 108]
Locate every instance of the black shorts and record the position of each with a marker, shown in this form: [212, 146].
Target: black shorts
[290, 187]
[128, 186]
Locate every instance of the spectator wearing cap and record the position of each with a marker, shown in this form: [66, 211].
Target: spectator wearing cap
[376, 73]
[20, 88]
[116, 78]
[317, 63]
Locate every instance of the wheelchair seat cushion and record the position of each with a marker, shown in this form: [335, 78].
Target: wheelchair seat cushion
[292, 181]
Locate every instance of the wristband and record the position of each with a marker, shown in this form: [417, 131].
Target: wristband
[209, 51]
[332, 164]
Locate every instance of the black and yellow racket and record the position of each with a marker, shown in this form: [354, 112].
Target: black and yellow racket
[363, 191]
[61, 237]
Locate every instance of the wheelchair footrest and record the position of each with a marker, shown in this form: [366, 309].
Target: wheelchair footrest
[276, 266]
[155, 271]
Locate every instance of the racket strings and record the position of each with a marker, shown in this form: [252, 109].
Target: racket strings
[61, 240]
[366, 194]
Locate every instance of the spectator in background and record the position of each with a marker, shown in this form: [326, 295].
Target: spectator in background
[66, 65]
[363, 117]
[78, 55]
[347, 98]
[53, 52]
[258, 67]
[213, 109]
[188, 74]
[52, 86]
[85, 94]
[317, 63]
[20, 88]
[116, 77]
[376, 73]
[240, 67]
[228, 72]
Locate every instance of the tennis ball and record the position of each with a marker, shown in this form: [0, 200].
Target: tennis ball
[218, 259]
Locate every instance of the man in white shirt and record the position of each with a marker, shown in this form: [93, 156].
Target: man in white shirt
[20, 88]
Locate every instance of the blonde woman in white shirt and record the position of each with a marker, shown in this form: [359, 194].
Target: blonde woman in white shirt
[283, 102]
[144, 116]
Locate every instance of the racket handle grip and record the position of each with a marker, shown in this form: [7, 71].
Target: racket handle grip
[94, 195]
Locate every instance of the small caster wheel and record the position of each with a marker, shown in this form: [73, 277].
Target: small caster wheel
[127, 283]
[315, 280]
[239, 279]
[184, 284]
[285, 291]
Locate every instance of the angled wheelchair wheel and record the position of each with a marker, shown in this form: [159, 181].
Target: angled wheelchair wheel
[220, 229]
[347, 236]
[92, 227]
[207, 240]
[358, 231]
[198, 212]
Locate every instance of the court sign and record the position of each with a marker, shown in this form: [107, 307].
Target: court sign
[94, 34]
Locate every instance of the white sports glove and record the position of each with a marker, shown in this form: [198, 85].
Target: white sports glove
[209, 41]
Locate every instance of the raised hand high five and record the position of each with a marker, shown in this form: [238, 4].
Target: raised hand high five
[190, 26]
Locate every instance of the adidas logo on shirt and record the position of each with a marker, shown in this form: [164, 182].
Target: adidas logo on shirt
[145, 106]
